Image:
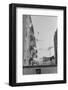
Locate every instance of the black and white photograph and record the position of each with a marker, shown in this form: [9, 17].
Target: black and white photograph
[37, 44]
[40, 44]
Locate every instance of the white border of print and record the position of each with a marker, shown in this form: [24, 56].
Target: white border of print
[20, 78]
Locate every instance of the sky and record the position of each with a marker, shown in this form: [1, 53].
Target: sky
[44, 29]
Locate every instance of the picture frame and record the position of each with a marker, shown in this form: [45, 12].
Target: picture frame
[54, 16]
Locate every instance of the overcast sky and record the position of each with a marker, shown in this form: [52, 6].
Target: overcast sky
[44, 29]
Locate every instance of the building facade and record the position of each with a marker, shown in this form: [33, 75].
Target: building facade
[29, 40]
[55, 46]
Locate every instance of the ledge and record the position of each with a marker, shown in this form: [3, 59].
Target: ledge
[39, 66]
